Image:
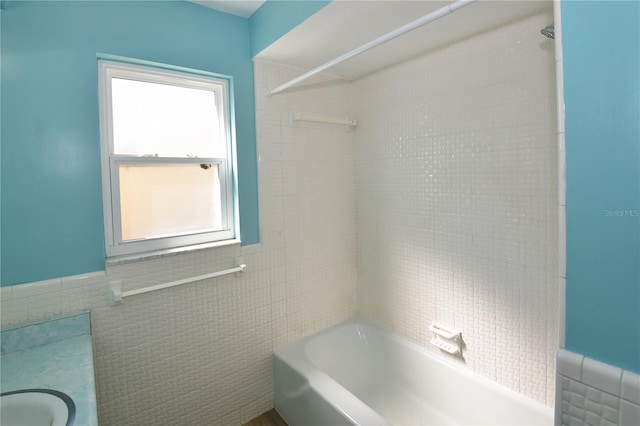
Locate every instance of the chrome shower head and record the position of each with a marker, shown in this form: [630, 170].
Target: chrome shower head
[549, 31]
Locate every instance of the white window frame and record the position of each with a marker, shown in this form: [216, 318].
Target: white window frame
[114, 244]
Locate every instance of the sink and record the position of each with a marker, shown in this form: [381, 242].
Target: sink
[35, 407]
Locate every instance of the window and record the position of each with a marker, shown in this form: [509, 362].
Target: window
[167, 159]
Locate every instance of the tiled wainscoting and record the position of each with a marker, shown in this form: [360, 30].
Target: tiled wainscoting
[595, 394]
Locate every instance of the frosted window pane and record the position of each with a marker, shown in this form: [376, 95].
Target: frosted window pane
[166, 200]
[170, 121]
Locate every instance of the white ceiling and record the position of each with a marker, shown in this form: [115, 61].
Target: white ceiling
[344, 25]
[242, 8]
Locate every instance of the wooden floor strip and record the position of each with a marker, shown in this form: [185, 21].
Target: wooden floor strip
[270, 418]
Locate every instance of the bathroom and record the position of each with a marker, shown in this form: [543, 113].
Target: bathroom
[441, 204]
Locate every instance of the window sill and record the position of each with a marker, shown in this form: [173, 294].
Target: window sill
[148, 255]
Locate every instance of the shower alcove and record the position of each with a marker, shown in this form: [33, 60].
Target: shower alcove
[451, 171]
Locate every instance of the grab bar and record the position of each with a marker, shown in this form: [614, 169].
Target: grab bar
[116, 293]
[296, 116]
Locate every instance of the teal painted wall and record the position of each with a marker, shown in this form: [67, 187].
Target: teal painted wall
[52, 222]
[275, 18]
[601, 43]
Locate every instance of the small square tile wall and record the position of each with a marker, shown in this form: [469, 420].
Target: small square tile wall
[593, 393]
[200, 354]
[456, 201]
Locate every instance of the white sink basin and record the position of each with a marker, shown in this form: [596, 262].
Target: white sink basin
[35, 407]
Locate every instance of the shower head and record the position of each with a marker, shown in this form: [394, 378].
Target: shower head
[549, 31]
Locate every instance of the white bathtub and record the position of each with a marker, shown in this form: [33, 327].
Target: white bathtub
[357, 374]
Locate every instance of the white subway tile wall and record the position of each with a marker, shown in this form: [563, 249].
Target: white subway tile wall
[596, 394]
[200, 354]
[630, 389]
[456, 201]
[583, 405]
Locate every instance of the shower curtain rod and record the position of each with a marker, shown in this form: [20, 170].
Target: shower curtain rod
[436, 14]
